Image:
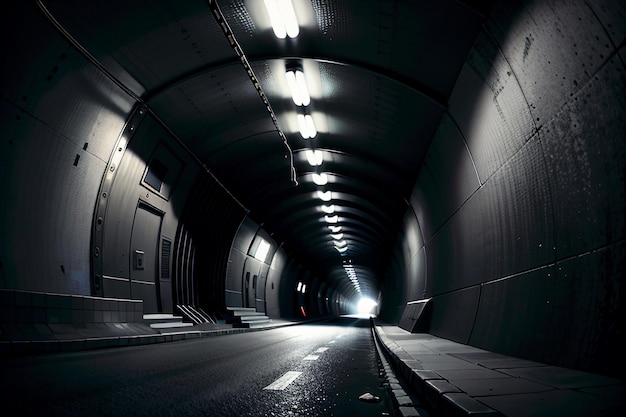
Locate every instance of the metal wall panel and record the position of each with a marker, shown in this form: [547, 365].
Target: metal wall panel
[453, 314]
[49, 190]
[554, 48]
[490, 108]
[514, 313]
[586, 153]
[273, 283]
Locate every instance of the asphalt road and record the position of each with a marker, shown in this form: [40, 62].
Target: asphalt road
[332, 363]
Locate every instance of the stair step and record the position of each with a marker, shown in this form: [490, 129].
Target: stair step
[248, 319]
[254, 318]
[239, 310]
[170, 325]
[247, 325]
[162, 318]
[247, 313]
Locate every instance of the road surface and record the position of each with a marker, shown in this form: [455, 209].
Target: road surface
[306, 370]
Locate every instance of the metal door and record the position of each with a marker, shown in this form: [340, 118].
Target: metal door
[144, 245]
[250, 280]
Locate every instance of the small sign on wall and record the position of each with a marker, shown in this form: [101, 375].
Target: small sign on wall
[138, 259]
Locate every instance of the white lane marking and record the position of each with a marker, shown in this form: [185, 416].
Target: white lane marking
[321, 350]
[331, 342]
[282, 382]
[311, 358]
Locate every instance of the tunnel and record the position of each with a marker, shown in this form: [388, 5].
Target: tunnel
[459, 164]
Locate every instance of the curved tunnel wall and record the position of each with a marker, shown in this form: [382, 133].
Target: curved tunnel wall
[521, 199]
[516, 225]
[60, 119]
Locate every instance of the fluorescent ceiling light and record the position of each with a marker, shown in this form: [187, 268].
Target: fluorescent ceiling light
[283, 18]
[335, 229]
[299, 287]
[331, 219]
[324, 195]
[306, 126]
[328, 209]
[340, 244]
[315, 158]
[310, 126]
[297, 85]
[303, 288]
[320, 179]
[341, 250]
[337, 236]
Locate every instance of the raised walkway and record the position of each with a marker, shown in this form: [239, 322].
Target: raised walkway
[453, 379]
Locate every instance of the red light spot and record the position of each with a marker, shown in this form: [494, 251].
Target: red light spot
[302, 310]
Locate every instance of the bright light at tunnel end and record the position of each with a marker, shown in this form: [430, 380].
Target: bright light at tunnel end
[366, 307]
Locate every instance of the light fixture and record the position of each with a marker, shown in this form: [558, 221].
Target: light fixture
[315, 158]
[337, 236]
[328, 209]
[299, 287]
[303, 288]
[297, 85]
[320, 179]
[306, 126]
[340, 244]
[262, 250]
[341, 250]
[335, 229]
[283, 18]
[331, 219]
[324, 195]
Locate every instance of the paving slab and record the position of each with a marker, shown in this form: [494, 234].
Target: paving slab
[561, 377]
[553, 403]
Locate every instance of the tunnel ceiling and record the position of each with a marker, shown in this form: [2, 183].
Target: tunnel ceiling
[379, 74]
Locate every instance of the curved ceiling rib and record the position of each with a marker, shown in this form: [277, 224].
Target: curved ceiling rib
[434, 96]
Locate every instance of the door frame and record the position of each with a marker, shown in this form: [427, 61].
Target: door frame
[141, 204]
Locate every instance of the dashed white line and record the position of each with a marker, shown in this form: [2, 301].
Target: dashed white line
[311, 358]
[282, 382]
[321, 350]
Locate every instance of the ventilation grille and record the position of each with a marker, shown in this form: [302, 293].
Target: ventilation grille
[166, 250]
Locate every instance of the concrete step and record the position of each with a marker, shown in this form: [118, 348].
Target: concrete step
[247, 319]
[166, 322]
[241, 311]
[171, 325]
[162, 318]
[252, 324]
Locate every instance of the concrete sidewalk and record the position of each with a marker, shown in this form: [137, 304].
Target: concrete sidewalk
[453, 379]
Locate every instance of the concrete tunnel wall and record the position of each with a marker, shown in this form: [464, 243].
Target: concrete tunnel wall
[515, 226]
[516, 222]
